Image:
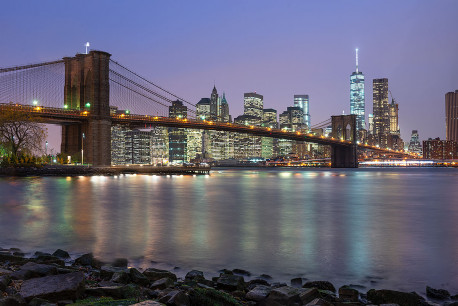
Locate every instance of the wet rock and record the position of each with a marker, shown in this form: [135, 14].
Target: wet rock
[230, 282]
[241, 272]
[225, 271]
[106, 272]
[121, 277]
[120, 263]
[87, 260]
[148, 303]
[200, 296]
[61, 254]
[265, 276]
[175, 298]
[12, 301]
[156, 274]
[296, 282]
[238, 294]
[285, 295]
[54, 288]
[308, 294]
[20, 254]
[38, 253]
[438, 294]
[40, 302]
[49, 259]
[259, 293]
[395, 297]
[116, 292]
[319, 302]
[6, 257]
[323, 285]
[278, 285]
[107, 284]
[162, 284]
[348, 294]
[138, 278]
[256, 282]
[5, 272]
[194, 275]
[4, 282]
[327, 295]
[32, 270]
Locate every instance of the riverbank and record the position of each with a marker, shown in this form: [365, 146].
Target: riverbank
[58, 278]
[70, 170]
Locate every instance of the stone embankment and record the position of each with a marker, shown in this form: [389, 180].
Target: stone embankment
[63, 170]
[57, 279]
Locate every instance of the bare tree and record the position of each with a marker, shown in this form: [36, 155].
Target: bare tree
[20, 132]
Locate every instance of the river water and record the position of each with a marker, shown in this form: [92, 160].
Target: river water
[380, 228]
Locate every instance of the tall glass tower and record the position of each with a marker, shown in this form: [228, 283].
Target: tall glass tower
[302, 101]
[357, 104]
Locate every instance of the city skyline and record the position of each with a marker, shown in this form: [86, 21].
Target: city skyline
[268, 51]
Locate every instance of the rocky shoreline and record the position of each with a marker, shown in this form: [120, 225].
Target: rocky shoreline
[57, 279]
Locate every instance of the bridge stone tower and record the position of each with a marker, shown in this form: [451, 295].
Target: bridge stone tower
[87, 88]
[344, 127]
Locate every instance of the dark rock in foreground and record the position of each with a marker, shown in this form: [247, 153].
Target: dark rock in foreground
[395, 297]
[323, 285]
[54, 288]
[438, 294]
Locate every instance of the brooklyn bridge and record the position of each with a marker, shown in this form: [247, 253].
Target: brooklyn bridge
[79, 93]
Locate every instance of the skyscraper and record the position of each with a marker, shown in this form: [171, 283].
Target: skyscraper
[177, 136]
[302, 101]
[451, 116]
[381, 111]
[224, 109]
[394, 118]
[357, 103]
[253, 105]
[214, 104]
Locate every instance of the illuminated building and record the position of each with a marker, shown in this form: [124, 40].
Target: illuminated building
[246, 145]
[357, 101]
[451, 116]
[292, 119]
[381, 112]
[159, 145]
[371, 123]
[414, 144]
[118, 144]
[268, 144]
[224, 110]
[253, 105]
[214, 104]
[440, 149]
[178, 150]
[269, 118]
[203, 109]
[394, 118]
[302, 101]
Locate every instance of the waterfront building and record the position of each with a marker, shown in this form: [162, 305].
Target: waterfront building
[253, 105]
[371, 123]
[118, 144]
[159, 145]
[214, 105]
[268, 144]
[178, 150]
[414, 144]
[203, 109]
[357, 99]
[381, 112]
[440, 149]
[302, 101]
[138, 147]
[451, 116]
[245, 145]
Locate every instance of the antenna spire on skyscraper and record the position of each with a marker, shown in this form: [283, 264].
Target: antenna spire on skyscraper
[356, 60]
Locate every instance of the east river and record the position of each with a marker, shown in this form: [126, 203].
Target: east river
[380, 228]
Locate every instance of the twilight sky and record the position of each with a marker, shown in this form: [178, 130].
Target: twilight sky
[276, 48]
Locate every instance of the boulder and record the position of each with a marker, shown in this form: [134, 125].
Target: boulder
[230, 282]
[278, 285]
[155, 274]
[54, 288]
[49, 259]
[40, 302]
[258, 293]
[61, 254]
[323, 285]
[106, 272]
[395, 297]
[285, 295]
[438, 294]
[6, 257]
[4, 282]
[241, 272]
[296, 282]
[210, 296]
[87, 260]
[138, 278]
[175, 298]
[121, 277]
[307, 295]
[194, 275]
[256, 282]
[162, 284]
[32, 270]
[265, 276]
[120, 263]
[116, 292]
[319, 302]
[5, 272]
[348, 294]
[12, 301]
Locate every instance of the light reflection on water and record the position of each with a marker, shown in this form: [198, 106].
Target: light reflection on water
[392, 228]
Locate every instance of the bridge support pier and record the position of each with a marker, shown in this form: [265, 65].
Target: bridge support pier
[344, 156]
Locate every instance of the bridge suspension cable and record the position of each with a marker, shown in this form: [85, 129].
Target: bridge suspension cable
[9, 69]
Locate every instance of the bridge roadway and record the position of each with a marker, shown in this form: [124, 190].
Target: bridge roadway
[68, 116]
